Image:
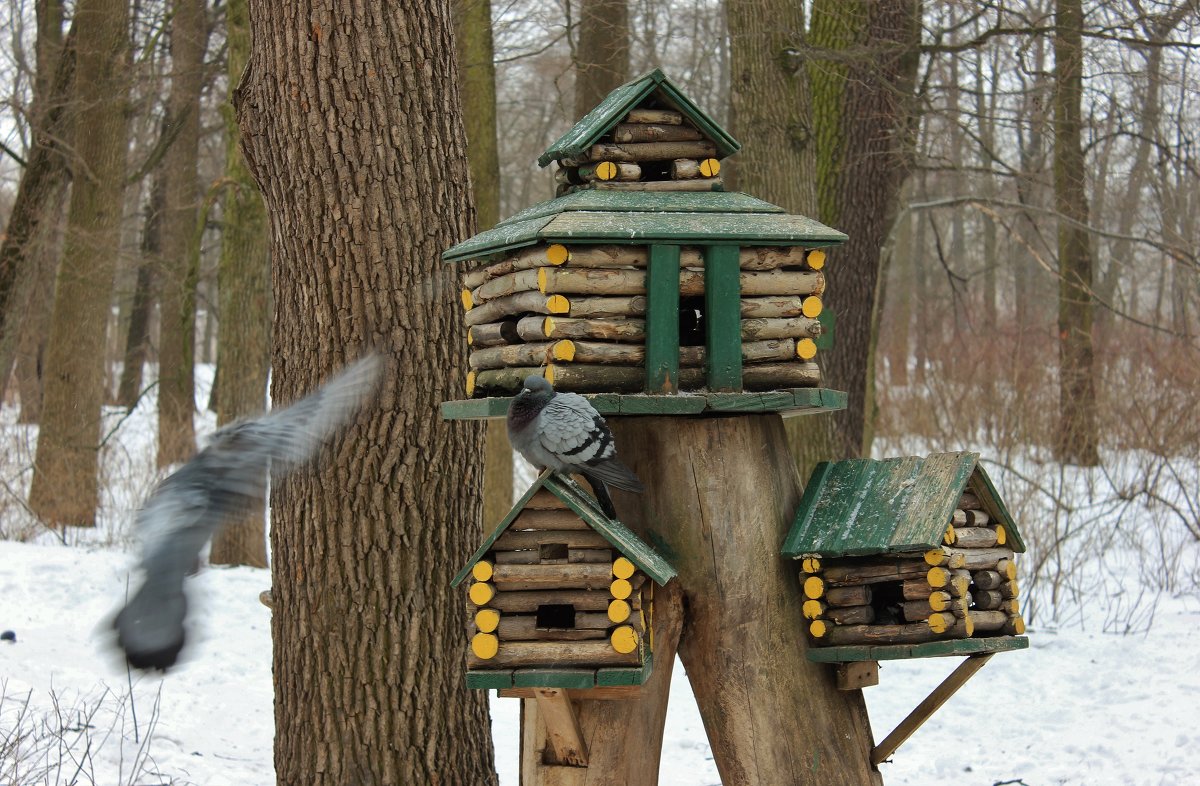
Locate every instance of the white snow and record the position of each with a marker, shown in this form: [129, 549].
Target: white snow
[1081, 706]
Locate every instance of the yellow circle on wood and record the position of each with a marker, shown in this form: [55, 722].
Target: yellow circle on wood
[818, 628]
[816, 259]
[935, 557]
[939, 601]
[557, 254]
[470, 336]
[549, 374]
[969, 625]
[624, 639]
[710, 167]
[950, 536]
[485, 645]
[621, 589]
[1018, 625]
[1007, 568]
[811, 307]
[606, 170]
[482, 593]
[548, 327]
[938, 577]
[814, 587]
[467, 301]
[482, 570]
[557, 304]
[618, 611]
[623, 568]
[487, 620]
[806, 349]
[543, 279]
[812, 609]
[564, 350]
[937, 623]
[470, 384]
[1001, 535]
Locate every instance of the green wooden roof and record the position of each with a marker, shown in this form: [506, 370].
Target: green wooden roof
[863, 506]
[583, 505]
[641, 217]
[651, 90]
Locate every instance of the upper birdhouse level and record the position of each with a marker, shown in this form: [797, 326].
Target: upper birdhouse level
[644, 277]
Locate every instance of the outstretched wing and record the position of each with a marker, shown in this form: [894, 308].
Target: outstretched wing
[214, 488]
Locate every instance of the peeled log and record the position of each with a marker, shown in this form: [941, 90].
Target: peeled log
[841, 635]
[660, 116]
[608, 170]
[848, 596]
[842, 575]
[508, 284]
[512, 355]
[512, 540]
[753, 258]
[525, 654]
[528, 602]
[523, 627]
[850, 615]
[617, 329]
[796, 327]
[524, 259]
[744, 652]
[592, 307]
[499, 380]
[771, 376]
[520, 303]
[775, 307]
[589, 576]
[653, 132]
[645, 151]
[974, 537]
[602, 281]
[493, 334]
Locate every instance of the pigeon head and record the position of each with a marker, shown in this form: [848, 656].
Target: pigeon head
[532, 399]
[535, 383]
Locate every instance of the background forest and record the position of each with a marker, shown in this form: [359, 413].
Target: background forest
[1019, 180]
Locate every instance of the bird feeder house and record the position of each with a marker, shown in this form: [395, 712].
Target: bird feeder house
[644, 276]
[561, 596]
[906, 558]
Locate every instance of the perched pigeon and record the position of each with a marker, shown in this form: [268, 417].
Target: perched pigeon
[563, 432]
[219, 484]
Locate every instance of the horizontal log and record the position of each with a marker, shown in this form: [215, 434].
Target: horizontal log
[971, 518]
[524, 259]
[986, 621]
[547, 518]
[917, 610]
[609, 170]
[699, 184]
[841, 635]
[956, 582]
[781, 306]
[493, 334]
[633, 354]
[644, 151]
[553, 653]
[689, 168]
[974, 537]
[843, 575]
[916, 589]
[526, 557]
[527, 602]
[599, 620]
[603, 281]
[659, 116]
[599, 693]
[1007, 568]
[617, 329]
[523, 627]
[1015, 626]
[810, 565]
[512, 305]
[590, 555]
[654, 132]
[850, 615]
[848, 596]
[969, 501]
[795, 327]
[948, 626]
[513, 355]
[755, 258]
[945, 557]
[978, 559]
[593, 307]
[773, 376]
[498, 380]
[514, 578]
[503, 286]
[813, 608]
[986, 579]
[515, 540]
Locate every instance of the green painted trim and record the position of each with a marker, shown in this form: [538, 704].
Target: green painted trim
[794, 545]
[503, 525]
[612, 677]
[662, 321]
[554, 678]
[795, 401]
[486, 680]
[828, 320]
[475, 408]
[932, 649]
[723, 319]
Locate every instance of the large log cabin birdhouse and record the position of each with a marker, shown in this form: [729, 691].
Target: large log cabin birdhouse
[644, 276]
[561, 596]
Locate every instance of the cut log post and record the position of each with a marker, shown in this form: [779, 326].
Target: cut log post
[945, 557]
[857, 674]
[986, 579]
[848, 596]
[796, 327]
[744, 652]
[781, 306]
[624, 133]
[493, 334]
[644, 151]
[974, 537]
[541, 328]
[535, 256]
[609, 170]
[659, 116]
[509, 578]
[956, 582]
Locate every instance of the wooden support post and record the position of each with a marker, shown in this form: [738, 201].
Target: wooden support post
[940, 695]
[857, 674]
[566, 743]
[662, 327]
[722, 304]
[725, 491]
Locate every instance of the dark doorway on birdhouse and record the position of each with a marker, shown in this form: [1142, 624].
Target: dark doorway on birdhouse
[556, 615]
[552, 551]
[691, 321]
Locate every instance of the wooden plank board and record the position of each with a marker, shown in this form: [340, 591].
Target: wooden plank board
[562, 727]
[933, 649]
[623, 676]
[554, 678]
[662, 322]
[484, 680]
[787, 402]
[723, 320]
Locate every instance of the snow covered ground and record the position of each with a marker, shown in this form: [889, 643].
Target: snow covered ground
[1082, 706]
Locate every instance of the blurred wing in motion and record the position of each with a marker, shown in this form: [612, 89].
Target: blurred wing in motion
[219, 484]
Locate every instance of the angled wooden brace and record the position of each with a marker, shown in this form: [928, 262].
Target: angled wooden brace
[564, 734]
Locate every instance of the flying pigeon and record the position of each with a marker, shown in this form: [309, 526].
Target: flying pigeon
[215, 487]
[565, 433]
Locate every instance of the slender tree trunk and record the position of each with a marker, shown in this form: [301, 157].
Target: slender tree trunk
[138, 336]
[473, 29]
[244, 330]
[369, 638]
[64, 487]
[602, 51]
[1077, 438]
[177, 285]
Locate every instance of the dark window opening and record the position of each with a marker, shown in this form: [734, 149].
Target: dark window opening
[691, 322]
[655, 170]
[552, 551]
[886, 599]
[556, 615]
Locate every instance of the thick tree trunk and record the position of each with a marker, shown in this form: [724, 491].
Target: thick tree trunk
[722, 494]
[364, 175]
[34, 326]
[244, 331]
[1077, 439]
[601, 52]
[177, 285]
[64, 487]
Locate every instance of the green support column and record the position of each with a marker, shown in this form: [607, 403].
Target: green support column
[662, 320]
[723, 317]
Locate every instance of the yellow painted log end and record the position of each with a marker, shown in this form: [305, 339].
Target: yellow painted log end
[470, 384]
[1001, 535]
[548, 327]
[816, 259]
[606, 170]
[811, 565]
[557, 304]
[806, 349]
[485, 645]
[481, 593]
[563, 350]
[482, 570]
[1007, 569]
[467, 300]
[813, 609]
[618, 611]
[623, 568]
[621, 589]
[710, 167]
[811, 307]
[940, 622]
[487, 620]
[557, 254]
[624, 639]
[814, 587]
[951, 536]
[1018, 625]
[818, 628]
[935, 557]
[938, 577]
[939, 601]
[543, 280]
[969, 624]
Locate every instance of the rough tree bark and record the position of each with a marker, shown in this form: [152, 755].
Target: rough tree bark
[1076, 441]
[244, 331]
[177, 284]
[137, 337]
[601, 56]
[351, 124]
[64, 487]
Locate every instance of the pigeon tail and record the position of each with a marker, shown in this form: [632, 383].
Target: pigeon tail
[602, 497]
[614, 473]
[150, 627]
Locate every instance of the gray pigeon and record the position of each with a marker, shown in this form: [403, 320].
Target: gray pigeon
[215, 487]
[565, 433]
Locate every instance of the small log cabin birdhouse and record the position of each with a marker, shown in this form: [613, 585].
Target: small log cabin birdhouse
[906, 558]
[561, 596]
[644, 276]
